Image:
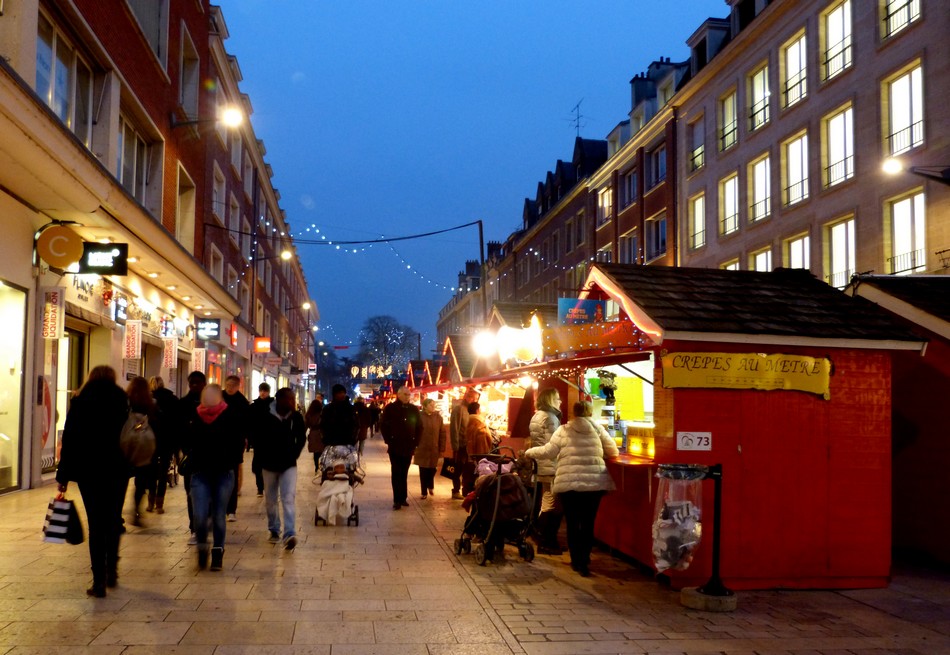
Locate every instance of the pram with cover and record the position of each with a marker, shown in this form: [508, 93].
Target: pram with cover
[501, 512]
[339, 473]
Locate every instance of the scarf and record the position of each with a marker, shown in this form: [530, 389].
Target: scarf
[209, 414]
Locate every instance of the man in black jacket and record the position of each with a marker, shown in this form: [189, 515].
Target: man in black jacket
[238, 402]
[401, 425]
[276, 448]
[260, 408]
[188, 412]
[338, 421]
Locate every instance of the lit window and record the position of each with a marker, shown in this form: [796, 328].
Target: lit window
[796, 170]
[908, 229]
[905, 104]
[654, 233]
[839, 147]
[762, 260]
[759, 98]
[795, 85]
[841, 253]
[604, 206]
[798, 253]
[604, 255]
[729, 205]
[760, 188]
[731, 265]
[728, 123]
[697, 221]
[697, 136]
[898, 14]
[837, 39]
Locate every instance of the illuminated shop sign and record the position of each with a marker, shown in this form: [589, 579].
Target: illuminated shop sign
[121, 309]
[712, 370]
[104, 258]
[262, 344]
[209, 329]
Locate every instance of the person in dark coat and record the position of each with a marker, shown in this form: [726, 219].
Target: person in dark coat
[166, 437]
[374, 413]
[187, 413]
[431, 445]
[241, 406]
[314, 433]
[260, 408]
[338, 422]
[142, 402]
[214, 446]
[363, 420]
[401, 426]
[278, 447]
[91, 457]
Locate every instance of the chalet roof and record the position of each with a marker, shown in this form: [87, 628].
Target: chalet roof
[783, 305]
[461, 345]
[922, 299]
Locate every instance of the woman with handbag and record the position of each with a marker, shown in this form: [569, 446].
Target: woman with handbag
[431, 445]
[91, 457]
[581, 478]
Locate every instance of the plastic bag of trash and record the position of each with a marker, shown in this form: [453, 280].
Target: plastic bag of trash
[677, 517]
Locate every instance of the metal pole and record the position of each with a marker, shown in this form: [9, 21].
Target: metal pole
[715, 587]
[482, 273]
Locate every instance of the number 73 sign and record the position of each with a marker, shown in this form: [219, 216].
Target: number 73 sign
[694, 441]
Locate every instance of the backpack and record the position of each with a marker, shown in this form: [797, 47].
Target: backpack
[137, 440]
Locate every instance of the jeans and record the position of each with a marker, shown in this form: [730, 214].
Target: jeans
[210, 492]
[233, 500]
[103, 497]
[426, 479]
[283, 484]
[580, 512]
[400, 477]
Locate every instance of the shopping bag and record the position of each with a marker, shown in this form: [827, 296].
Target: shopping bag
[62, 524]
[448, 468]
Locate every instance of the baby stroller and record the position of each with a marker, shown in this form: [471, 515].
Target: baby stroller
[339, 473]
[502, 511]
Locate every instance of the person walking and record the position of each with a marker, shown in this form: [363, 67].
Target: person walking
[279, 446]
[374, 414]
[142, 402]
[458, 421]
[166, 436]
[259, 408]
[363, 421]
[545, 421]
[478, 441]
[91, 458]
[314, 433]
[580, 479]
[338, 422]
[431, 445]
[187, 414]
[241, 406]
[214, 447]
[401, 427]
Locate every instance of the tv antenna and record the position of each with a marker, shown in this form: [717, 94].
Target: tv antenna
[576, 120]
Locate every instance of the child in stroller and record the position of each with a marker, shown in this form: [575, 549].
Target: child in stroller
[339, 472]
[500, 510]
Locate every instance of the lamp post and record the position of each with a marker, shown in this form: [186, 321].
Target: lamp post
[231, 117]
[893, 166]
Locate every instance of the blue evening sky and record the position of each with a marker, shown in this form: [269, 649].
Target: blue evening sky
[397, 117]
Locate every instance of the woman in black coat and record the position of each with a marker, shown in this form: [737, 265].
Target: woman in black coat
[91, 457]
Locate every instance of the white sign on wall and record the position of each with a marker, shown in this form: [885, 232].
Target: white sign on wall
[133, 339]
[694, 441]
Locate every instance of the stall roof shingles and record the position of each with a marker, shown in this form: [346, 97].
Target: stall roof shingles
[789, 302]
[928, 293]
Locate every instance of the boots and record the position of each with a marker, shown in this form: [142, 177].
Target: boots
[160, 504]
[151, 501]
[202, 557]
[548, 525]
[217, 558]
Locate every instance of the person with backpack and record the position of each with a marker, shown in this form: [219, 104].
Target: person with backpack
[91, 457]
[143, 404]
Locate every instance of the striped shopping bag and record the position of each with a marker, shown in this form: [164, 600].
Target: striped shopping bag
[62, 524]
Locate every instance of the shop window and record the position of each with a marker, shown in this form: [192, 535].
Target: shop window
[836, 43]
[12, 354]
[908, 232]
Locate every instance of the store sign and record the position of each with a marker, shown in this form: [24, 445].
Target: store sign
[312, 368]
[59, 246]
[694, 441]
[262, 344]
[121, 309]
[133, 340]
[233, 335]
[167, 327]
[170, 352]
[208, 329]
[198, 359]
[54, 313]
[104, 258]
[577, 311]
[709, 370]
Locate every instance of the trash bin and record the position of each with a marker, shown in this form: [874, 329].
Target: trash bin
[677, 515]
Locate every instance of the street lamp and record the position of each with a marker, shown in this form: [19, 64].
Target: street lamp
[893, 166]
[231, 117]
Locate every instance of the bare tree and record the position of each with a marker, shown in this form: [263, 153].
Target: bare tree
[386, 342]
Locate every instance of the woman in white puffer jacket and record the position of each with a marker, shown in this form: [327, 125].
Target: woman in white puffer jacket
[544, 423]
[581, 479]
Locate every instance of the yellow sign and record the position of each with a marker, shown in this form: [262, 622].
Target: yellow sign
[59, 246]
[747, 371]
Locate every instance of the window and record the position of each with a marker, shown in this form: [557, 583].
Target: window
[731, 265]
[546, 255]
[604, 206]
[794, 87]
[841, 253]
[245, 302]
[216, 263]
[654, 234]
[798, 253]
[759, 98]
[728, 123]
[905, 111]
[232, 282]
[268, 278]
[218, 191]
[190, 76]
[796, 169]
[908, 229]
[569, 235]
[605, 255]
[761, 260]
[839, 147]
[628, 249]
[837, 39]
[760, 189]
[236, 153]
[657, 165]
[556, 246]
[521, 273]
[234, 219]
[131, 166]
[246, 239]
[729, 204]
[64, 81]
[152, 17]
[248, 176]
[697, 221]
[580, 229]
[535, 256]
[665, 94]
[629, 188]
[185, 211]
[697, 147]
[898, 14]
